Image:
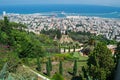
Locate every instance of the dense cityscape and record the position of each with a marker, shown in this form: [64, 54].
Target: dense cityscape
[110, 28]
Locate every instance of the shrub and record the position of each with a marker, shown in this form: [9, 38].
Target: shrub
[57, 77]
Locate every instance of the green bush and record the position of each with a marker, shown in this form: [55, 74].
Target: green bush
[57, 77]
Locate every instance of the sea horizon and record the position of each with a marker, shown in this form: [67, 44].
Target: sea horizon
[73, 9]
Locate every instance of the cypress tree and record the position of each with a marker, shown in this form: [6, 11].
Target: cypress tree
[69, 49]
[60, 68]
[58, 34]
[59, 49]
[73, 48]
[75, 68]
[6, 27]
[7, 30]
[64, 50]
[50, 64]
[48, 68]
[38, 64]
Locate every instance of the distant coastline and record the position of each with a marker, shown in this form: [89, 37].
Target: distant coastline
[83, 10]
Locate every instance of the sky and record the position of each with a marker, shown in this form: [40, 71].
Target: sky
[88, 2]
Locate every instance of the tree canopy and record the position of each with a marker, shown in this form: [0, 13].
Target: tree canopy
[100, 63]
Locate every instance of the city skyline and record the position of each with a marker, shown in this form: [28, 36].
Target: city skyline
[115, 3]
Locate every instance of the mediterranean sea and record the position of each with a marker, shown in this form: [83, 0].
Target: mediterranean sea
[62, 10]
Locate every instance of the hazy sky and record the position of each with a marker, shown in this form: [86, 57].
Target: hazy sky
[90, 2]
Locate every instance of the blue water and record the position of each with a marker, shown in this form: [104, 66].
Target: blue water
[85, 10]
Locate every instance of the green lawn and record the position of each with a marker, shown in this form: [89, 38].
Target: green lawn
[79, 56]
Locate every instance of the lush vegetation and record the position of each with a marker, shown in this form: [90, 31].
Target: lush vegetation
[85, 37]
[17, 46]
[52, 33]
[41, 53]
[101, 63]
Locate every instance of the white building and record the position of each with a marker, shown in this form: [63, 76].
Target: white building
[4, 13]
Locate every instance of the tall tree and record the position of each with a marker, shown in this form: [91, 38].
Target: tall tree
[100, 63]
[59, 46]
[64, 49]
[69, 49]
[48, 68]
[73, 48]
[75, 68]
[6, 27]
[6, 31]
[50, 63]
[58, 34]
[60, 68]
[38, 64]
